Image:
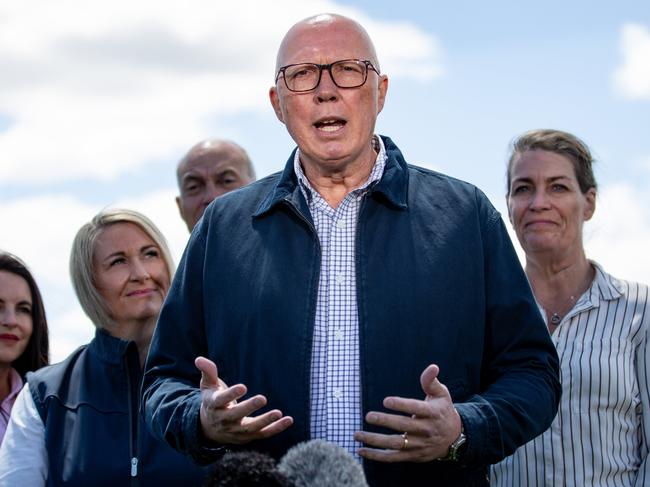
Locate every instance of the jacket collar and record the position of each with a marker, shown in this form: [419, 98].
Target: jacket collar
[393, 185]
[109, 348]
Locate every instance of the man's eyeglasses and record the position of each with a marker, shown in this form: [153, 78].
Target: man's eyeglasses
[347, 73]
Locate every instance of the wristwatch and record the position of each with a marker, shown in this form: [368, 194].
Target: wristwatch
[453, 455]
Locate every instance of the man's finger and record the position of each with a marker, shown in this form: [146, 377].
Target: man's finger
[217, 399]
[396, 422]
[245, 408]
[276, 427]
[258, 423]
[387, 456]
[431, 386]
[209, 375]
[378, 440]
[412, 407]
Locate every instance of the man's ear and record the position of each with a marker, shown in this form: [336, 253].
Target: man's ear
[180, 211]
[275, 102]
[382, 88]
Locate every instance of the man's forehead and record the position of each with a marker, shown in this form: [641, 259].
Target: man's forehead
[317, 40]
[209, 161]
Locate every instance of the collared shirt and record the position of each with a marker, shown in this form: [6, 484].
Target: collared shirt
[7, 403]
[600, 436]
[335, 377]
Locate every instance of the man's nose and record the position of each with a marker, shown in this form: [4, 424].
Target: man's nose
[326, 89]
[212, 191]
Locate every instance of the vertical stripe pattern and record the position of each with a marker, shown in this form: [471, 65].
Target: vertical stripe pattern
[600, 434]
[335, 375]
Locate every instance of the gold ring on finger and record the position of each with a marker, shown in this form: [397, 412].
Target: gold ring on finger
[405, 441]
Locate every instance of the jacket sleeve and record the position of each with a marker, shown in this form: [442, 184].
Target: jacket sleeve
[171, 397]
[519, 374]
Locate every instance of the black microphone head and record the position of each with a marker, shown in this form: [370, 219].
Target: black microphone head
[246, 469]
[318, 463]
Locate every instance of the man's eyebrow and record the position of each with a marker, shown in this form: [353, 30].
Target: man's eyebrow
[225, 170]
[189, 176]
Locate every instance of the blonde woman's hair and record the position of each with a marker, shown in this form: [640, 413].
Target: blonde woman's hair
[82, 269]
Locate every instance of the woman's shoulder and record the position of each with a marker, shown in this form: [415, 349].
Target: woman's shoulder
[53, 380]
[616, 287]
[630, 301]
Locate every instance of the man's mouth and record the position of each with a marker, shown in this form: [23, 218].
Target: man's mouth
[330, 124]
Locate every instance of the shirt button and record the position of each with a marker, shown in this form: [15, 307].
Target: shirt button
[338, 392]
[340, 278]
[340, 224]
[338, 334]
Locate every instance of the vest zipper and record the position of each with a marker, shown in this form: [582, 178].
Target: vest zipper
[133, 426]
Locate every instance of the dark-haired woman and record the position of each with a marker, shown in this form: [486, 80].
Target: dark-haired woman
[23, 331]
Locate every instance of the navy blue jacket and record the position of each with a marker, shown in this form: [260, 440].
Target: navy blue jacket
[438, 282]
[93, 432]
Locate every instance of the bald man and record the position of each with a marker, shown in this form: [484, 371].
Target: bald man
[352, 297]
[210, 169]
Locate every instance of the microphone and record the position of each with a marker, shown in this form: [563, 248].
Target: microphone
[318, 463]
[246, 469]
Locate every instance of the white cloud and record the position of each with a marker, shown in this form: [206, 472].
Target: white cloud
[40, 231]
[94, 89]
[632, 78]
[619, 234]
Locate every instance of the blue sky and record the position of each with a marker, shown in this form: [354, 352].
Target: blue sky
[99, 101]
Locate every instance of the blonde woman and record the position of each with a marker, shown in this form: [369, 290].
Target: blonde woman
[77, 422]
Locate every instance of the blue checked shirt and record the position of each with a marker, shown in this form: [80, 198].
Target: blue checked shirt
[335, 377]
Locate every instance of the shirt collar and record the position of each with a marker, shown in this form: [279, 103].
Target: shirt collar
[604, 286]
[375, 175]
[16, 385]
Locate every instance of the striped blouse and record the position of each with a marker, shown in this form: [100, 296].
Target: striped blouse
[600, 434]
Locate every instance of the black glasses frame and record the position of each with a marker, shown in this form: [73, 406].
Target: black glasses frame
[367, 65]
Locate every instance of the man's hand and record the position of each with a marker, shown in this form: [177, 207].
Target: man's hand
[431, 425]
[226, 421]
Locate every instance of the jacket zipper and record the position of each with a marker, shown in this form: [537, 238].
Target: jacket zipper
[299, 214]
[362, 323]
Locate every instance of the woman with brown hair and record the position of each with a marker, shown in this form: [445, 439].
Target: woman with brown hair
[600, 326]
[23, 331]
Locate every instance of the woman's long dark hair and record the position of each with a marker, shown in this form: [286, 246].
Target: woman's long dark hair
[37, 353]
